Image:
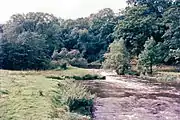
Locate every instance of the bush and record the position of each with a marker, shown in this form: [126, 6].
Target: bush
[71, 101]
[85, 77]
[117, 58]
[60, 55]
[56, 77]
[122, 69]
[95, 65]
[89, 77]
[82, 106]
[72, 57]
[136, 73]
[74, 54]
[79, 62]
[62, 64]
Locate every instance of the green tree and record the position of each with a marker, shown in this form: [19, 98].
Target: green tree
[29, 51]
[28, 41]
[138, 24]
[152, 54]
[172, 35]
[101, 27]
[43, 24]
[91, 35]
[117, 58]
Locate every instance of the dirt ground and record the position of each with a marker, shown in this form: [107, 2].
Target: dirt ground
[128, 98]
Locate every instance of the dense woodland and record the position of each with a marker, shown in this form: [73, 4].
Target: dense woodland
[147, 31]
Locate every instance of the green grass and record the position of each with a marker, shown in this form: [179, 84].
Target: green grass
[27, 95]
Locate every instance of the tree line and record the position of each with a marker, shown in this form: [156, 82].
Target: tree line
[148, 31]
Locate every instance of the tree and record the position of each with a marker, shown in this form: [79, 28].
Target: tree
[155, 6]
[43, 24]
[138, 24]
[117, 58]
[101, 27]
[28, 41]
[172, 35]
[91, 35]
[29, 51]
[151, 55]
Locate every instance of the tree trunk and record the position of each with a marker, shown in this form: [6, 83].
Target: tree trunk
[151, 65]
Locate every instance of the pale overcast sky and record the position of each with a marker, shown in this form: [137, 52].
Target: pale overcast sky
[60, 8]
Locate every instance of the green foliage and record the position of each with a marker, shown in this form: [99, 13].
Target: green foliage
[82, 106]
[91, 35]
[81, 77]
[117, 58]
[133, 73]
[144, 19]
[85, 40]
[151, 55]
[59, 64]
[95, 65]
[73, 57]
[172, 35]
[73, 96]
[29, 51]
[28, 41]
[134, 28]
[89, 77]
[101, 27]
[79, 62]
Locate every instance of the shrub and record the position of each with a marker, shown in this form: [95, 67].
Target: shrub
[72, 101]
[69, 91]
[72, 57]
[95, 65]
[74, 54]
[117, 58]
[132, 72]
[85, 77]
[62, 64]
[59, 55]
[88, 77]
[82, 106]
[79, 62]
[56, 77]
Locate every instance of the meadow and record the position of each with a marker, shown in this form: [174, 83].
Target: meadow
[31, 95]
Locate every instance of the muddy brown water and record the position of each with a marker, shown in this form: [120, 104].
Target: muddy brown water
[123, 98]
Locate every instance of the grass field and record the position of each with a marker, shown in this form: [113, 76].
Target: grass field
[27, 95]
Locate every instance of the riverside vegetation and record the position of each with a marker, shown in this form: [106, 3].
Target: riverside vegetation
[32, 95]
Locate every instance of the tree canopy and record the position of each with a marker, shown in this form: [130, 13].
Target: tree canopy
[43, 34]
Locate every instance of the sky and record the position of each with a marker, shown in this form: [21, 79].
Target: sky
[60, 8]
